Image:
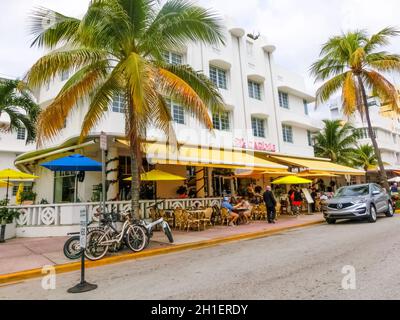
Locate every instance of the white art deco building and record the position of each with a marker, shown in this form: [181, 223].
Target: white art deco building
[266, 114]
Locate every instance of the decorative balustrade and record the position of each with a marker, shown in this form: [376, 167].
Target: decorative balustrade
[68, 214]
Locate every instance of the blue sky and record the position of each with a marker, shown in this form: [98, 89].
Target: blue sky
[297, 28]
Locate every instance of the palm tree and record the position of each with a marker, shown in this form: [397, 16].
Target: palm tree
[364, 157]
[354, 63]
[336, 141]
[117, 48]
[17, 102]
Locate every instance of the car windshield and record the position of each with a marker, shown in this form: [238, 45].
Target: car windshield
[356, 191]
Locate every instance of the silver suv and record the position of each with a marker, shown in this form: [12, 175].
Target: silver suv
[358, 202]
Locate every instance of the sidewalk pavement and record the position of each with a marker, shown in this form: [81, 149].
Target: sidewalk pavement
[21, 254]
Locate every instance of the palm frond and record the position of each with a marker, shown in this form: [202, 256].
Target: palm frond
[349, 95]
[329, 88]
[200, 83]
[383, 61]
[52, 64]
[385, 90]
[77, 89]
[180, 21]
[380, 39]
[49, 28]
[178, 89]
[100, 100]
[106, 26]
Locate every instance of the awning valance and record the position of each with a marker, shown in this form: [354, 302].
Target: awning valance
[199, 156]
[319, 166]
[161, 153]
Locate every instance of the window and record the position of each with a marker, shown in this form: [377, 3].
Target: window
[283, 100]
[173, 58]
[287, 133]
[218, 76]
[309, 137]
[250, 48]
[118, 103]
[64, 187]
[15, 189]
[254, 90]
[364, 133]
[221, 121]
[177, 112]
[305, 107]
[64, 75]
[258, 126]
[21, 134]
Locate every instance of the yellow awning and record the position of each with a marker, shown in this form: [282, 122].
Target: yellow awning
[320, 166]
[160, 153]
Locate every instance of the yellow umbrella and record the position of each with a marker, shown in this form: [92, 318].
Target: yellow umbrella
[158, 175]
[292, 180]
[11, 174]
[4, 184]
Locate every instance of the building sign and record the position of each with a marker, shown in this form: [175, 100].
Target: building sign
[103, 141]
[253, 145]
[83, 229]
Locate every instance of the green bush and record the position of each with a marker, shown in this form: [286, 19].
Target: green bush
[7, 215]
[28, 196]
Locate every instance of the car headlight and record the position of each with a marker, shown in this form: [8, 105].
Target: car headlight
[360, 201]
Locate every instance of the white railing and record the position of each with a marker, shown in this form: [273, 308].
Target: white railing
[68, 214]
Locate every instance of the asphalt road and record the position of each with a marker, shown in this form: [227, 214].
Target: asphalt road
[300, 264]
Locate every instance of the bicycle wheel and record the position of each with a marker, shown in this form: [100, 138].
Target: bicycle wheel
[136, 238]
[168, 233]
[72, 248]
[95, 249]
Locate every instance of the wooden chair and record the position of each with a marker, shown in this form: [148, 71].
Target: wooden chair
[207, 217]
[262, 212]
[193, 222]
[225, 216]
[216, 215]
[180, 221]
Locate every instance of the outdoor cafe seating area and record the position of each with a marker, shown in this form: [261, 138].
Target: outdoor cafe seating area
[202, 218]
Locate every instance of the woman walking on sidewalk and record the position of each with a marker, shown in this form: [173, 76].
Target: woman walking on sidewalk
[297, 201]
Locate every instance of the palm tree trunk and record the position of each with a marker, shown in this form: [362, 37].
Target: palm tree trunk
[135, 185]
[135, 158]
[382, 172]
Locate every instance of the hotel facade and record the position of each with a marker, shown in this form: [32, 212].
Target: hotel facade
[265, 127]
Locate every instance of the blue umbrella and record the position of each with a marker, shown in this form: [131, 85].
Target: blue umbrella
[75, 162]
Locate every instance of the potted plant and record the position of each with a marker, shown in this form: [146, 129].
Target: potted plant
[7, 220]
[28, 197]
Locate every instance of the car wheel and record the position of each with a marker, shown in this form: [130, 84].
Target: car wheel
[390, 212]
[372, 215]
[330, 220]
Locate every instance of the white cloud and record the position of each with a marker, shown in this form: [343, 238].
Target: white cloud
[297, 28]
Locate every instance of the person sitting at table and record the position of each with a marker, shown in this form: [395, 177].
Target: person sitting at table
[245, 205]
[233, 216]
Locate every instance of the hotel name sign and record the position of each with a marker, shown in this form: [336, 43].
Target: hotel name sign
[254, 145]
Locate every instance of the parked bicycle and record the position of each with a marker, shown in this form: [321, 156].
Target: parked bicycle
[72, 249]
[149, 228]
[100, 240]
